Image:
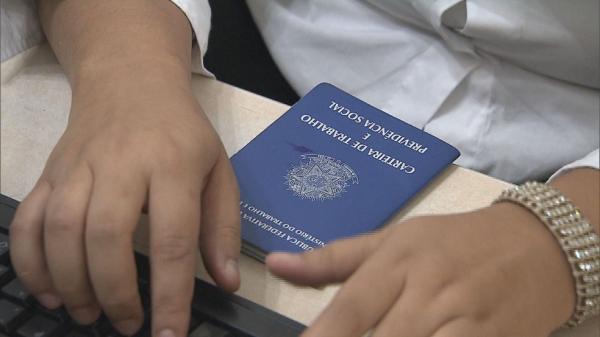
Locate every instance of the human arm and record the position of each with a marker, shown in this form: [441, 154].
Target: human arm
[136, 138]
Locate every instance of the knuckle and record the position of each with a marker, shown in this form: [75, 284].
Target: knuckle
[325, 257]
[103, 231]
[168, 304]
[350, 303]
[475, 303]
[165, 307]
[20, 228]
[60, 221]
[452, 298]
[338, 273]
[461, 299]
[229, 232]
[171, 153]
[319, 258]
[441, 269]
[399, 253]
[367, 246]
[172, 248]
[31, 281]
[350, 306]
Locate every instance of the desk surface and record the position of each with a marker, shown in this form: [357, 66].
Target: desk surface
[35, 101]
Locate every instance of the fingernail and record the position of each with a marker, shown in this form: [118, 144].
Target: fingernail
[232, 268]
[127, 327]
[166, 333]
[86, 315]
[49, 300]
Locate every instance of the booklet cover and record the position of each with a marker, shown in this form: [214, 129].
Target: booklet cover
[331, 167]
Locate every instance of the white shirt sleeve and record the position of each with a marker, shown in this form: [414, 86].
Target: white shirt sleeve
[198, 13]
[20, 28]
[592, 160]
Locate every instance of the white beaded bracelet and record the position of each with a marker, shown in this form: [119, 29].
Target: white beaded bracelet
[575, 235]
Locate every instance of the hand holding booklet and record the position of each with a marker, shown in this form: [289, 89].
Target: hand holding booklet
[331, 167]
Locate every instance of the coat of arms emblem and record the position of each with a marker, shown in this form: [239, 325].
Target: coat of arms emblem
[320, 177]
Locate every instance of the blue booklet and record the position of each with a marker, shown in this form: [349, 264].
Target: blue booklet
[331, 167]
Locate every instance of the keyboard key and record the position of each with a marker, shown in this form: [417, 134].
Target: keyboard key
[59, 314]
[111, 332]
[97, 329]
[146, 326]
[209, 330]
[85, 331]
[76, 334]
[6, 215]
[16, 290]
[9, 312]
[194, 322]
[146, 302]
[116, 334]
[4, 274]
[38, 326]
[3, 248]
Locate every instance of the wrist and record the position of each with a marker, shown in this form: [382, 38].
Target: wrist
[131, 81]
[582, 186]
[125, 73]
[548, 272]
[574, 233]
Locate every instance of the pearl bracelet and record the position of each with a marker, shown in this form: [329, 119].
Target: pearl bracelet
[575, 235]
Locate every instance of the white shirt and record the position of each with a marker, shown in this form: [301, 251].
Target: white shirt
[513, 84]
[515, 89]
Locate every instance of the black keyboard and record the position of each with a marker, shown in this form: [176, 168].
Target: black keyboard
[214, 312]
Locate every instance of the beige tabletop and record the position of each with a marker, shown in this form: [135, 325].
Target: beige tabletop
[35, 100]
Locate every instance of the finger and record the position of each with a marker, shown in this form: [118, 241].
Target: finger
[174, 228]
[65, 246]
[220, 232]
[363, 300]
[333, 263]
[27, 246]
[113, 212]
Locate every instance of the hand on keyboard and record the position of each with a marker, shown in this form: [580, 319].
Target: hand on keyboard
[215, 313]
[71, 238]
